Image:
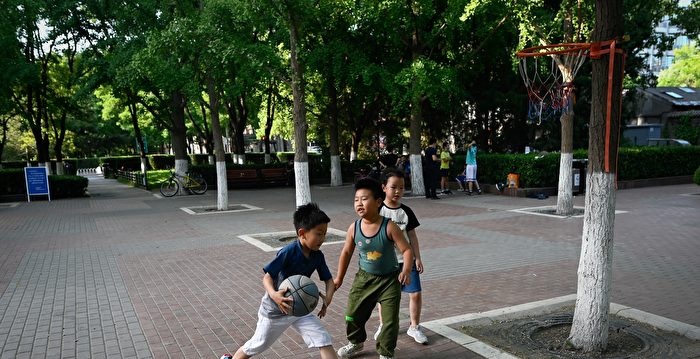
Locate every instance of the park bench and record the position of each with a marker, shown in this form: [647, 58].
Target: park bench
[242, 177]
[275, 176]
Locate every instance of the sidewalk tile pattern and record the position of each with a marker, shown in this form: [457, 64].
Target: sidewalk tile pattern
[127, 274]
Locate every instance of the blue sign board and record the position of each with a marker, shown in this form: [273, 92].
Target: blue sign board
[37, 181]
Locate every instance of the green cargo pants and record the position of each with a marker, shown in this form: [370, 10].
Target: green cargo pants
[368, 290]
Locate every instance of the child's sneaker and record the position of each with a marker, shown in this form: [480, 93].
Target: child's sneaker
[469, 193]
[379, 330]
[478, 190]
[227, 356]
[350, 349]
[417, 334]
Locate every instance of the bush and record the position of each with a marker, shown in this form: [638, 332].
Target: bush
[161, 162]
[12, 182]
[652, 162]
[696, 177]
[67, 186]
[543, 170]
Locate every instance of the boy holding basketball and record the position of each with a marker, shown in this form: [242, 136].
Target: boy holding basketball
[304, 257]
[403, 216]
[379, 278]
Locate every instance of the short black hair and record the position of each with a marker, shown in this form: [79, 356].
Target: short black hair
[392, 172]
[308, 216]
[371, 184]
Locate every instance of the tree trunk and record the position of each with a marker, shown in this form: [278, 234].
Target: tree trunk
[269, 120]
[137, 130]
[336, 170]
[221, 179]
[589, 330]
[417, 180]
[301, 162]
[178, 133]
[565, 201]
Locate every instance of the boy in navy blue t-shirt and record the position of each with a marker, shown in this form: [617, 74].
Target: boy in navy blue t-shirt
[301, 257]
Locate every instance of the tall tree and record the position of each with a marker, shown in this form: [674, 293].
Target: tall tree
[589, 330]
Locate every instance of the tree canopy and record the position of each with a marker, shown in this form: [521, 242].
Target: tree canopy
[94, 78]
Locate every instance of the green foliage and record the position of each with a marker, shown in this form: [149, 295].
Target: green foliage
[535, 170]
[686, 131]
[651, 162]
[161, 162]
[67, 186]
[538, 170]
[685, 70]
[128, 163]
[696, 176]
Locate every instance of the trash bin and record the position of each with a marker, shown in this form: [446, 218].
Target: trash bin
[575, 181]
[578, 169]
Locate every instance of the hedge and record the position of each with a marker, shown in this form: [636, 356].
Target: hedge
[696, 177]
[12, 182]
[542, 170]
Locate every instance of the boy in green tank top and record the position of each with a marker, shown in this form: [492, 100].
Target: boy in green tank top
[379, 278]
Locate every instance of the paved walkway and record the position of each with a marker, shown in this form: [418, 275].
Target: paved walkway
[125, 274]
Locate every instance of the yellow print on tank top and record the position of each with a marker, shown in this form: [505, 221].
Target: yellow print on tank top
[373, 256]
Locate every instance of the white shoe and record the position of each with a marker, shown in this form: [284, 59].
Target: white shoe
[384, 357]
[417, 334]
[379, 330]
[350, 349]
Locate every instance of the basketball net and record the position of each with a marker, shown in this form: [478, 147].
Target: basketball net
[548, 73]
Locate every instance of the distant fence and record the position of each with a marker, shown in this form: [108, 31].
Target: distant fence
[88, 171]
[137, 178]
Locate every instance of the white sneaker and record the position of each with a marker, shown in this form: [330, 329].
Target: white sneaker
[417, 334]
[350, 349]
[384, 357]
[379, 330]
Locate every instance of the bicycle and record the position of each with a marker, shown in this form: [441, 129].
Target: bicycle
[194, 183]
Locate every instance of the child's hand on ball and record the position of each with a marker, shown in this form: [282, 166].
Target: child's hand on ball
[282, 301]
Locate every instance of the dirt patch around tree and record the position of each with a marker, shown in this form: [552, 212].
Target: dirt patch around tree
[545, 336]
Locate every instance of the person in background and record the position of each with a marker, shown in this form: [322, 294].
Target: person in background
[471, 169]
[445, 168]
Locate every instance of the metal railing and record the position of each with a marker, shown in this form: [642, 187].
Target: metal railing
[137, 178]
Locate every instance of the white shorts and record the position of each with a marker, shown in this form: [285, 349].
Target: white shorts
[269, 330]
[471, 172]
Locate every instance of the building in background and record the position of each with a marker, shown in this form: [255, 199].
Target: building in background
[657, 62]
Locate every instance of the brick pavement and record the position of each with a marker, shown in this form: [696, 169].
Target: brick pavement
[127, 274]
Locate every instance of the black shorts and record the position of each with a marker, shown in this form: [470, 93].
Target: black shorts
[444, 172]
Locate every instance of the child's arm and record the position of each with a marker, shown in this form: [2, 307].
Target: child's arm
[327, 298]
[345, 255]
[396, 235]
[276, 295]
[415, 247]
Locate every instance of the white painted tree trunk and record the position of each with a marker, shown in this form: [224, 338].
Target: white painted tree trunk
[181, 166]
[301, 179]
[268, 158]
[417, 181]
[336, 172]
[221, 186]
[59, 168]
[353, 155]
[565, 200]
[144, 164]
[211, 160]
[47, 165]
[590, 325]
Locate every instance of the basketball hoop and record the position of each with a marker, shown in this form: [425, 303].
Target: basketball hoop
[548, 72]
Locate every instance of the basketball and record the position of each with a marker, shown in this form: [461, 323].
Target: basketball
[304, 292]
